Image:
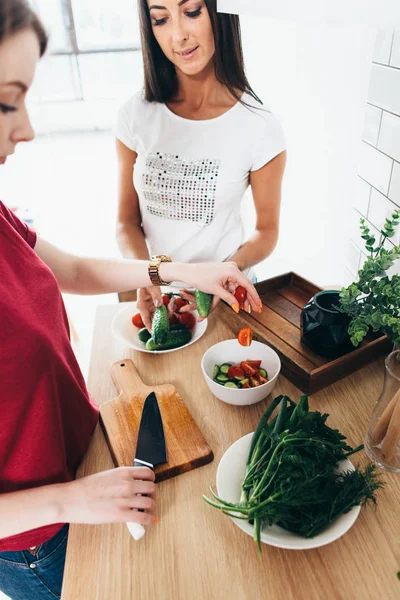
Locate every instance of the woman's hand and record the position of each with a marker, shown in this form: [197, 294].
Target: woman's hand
[147, 300]
[111, 497]
[221, 280]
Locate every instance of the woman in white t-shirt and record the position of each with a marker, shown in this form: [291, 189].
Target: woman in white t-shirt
[194, 140]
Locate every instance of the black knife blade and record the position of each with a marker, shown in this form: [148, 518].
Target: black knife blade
[151, 449]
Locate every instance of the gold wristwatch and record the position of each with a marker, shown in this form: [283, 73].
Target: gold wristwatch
[154, 266]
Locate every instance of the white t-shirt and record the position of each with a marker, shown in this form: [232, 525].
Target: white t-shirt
[191, 176]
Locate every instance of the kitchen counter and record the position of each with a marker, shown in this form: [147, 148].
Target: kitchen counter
[195, 552]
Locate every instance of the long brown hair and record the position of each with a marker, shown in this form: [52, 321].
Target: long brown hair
[160, 79]
[15, 16]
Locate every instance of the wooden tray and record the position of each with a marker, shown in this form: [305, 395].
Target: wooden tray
[186, 447]
[278, 325]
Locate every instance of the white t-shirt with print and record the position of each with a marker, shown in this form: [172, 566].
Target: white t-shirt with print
[190, 176]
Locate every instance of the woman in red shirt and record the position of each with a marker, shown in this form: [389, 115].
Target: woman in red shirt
[47, 417]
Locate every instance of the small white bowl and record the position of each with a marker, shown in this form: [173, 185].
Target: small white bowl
[230, 351]
[230, 474]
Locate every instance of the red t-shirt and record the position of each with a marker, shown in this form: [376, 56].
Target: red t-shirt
[47, 417]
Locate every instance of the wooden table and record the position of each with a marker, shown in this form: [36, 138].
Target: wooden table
[194, 552]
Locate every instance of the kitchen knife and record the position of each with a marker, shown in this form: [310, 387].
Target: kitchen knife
[151, 448]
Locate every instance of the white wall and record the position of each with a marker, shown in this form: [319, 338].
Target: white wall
[315, 77]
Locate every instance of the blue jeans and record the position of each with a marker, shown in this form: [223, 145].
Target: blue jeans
[39, 577]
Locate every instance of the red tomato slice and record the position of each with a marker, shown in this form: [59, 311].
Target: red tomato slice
[165, 299]
[179, 303]
[262, 379]
[248, 369]
[187, 319]
[240, 294]
[254, 382]
[235, 372]
[256, 364]
[137, 321]
[245, 336]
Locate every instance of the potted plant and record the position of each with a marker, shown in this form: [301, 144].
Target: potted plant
[335, 322]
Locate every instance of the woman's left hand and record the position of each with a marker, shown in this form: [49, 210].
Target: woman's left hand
[221, 280]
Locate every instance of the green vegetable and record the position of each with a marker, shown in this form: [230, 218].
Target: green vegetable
[373, 302]
[215, 371]
[160, 325]
[203, 302]
[263, 373]
[225, 367]
[243, 382]
[291, 474]
[231, 384]
[175, 339]
[177, 327]
[222, 378]
[144, 335]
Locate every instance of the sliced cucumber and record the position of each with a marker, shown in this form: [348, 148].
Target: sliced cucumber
[225, 368]
[263, 373]
[243, 382]
[222, 378]
[231, 384]
[215, 371]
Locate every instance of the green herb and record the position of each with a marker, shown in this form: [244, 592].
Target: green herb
[373, 302]
[291, 474]
[398, 574]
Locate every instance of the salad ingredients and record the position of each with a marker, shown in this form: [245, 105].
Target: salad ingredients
[174, 339]
[245, 336]
[240, 295]
[187, 319]
[203, 302]
[160, 325]
[292, 477]
[137, 321]
[242, 376]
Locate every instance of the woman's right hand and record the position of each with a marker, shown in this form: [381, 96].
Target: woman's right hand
[111, 497]
[147, 301]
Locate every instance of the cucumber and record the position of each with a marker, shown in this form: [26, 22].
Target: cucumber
[231, 384]
[144, 335]
[160, 325]
[222, 378]
[243, 382]
[203, 302]
[225, 368]
[215, 371]
[175, 339]
[263, 373]
[177, 327]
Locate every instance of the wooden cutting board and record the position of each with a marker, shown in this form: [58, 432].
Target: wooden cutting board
[186, 447]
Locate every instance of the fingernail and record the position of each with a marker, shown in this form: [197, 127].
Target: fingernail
[235, 308]
[260, 306]
[155, 521]
[249, 309]
[156, 303]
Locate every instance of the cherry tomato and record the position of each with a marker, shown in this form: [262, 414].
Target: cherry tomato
[173, 319]
[235, 371]
[179, 303]
[137, 321]
[165, 299]
[187, 319]
[256, 364]
[240, 294]
[245, 336]
[247, 369]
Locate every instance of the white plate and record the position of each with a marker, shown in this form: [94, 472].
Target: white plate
[230, 475]
[124, 330]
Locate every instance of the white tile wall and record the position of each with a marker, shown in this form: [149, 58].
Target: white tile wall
[372, 123]
[354, 229]
[394, 191]
[383, 46]
[375, 167]
[381, 208]
[384, 89]
[395, 57]
[362, 194]
[352, 257]
[389, 137]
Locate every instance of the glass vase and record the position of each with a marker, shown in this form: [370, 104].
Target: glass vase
[382, 443]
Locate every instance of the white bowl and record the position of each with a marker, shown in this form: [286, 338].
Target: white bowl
[230, 475]
[230, 351]
[125, 331]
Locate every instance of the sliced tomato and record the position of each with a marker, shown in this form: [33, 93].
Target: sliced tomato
[165, 299]
[179, 303]
[245, 386]
[187, 319]
[248, 369]
[240, 294]
[253, 382]
[235, 372]
[262, 379]
[245, 336]
[256, 364]
[137, 321]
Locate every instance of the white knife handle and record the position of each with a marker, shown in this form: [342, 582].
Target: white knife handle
[137, 530]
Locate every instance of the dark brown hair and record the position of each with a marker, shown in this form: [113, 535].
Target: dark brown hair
[160, 79]
[15, 16]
